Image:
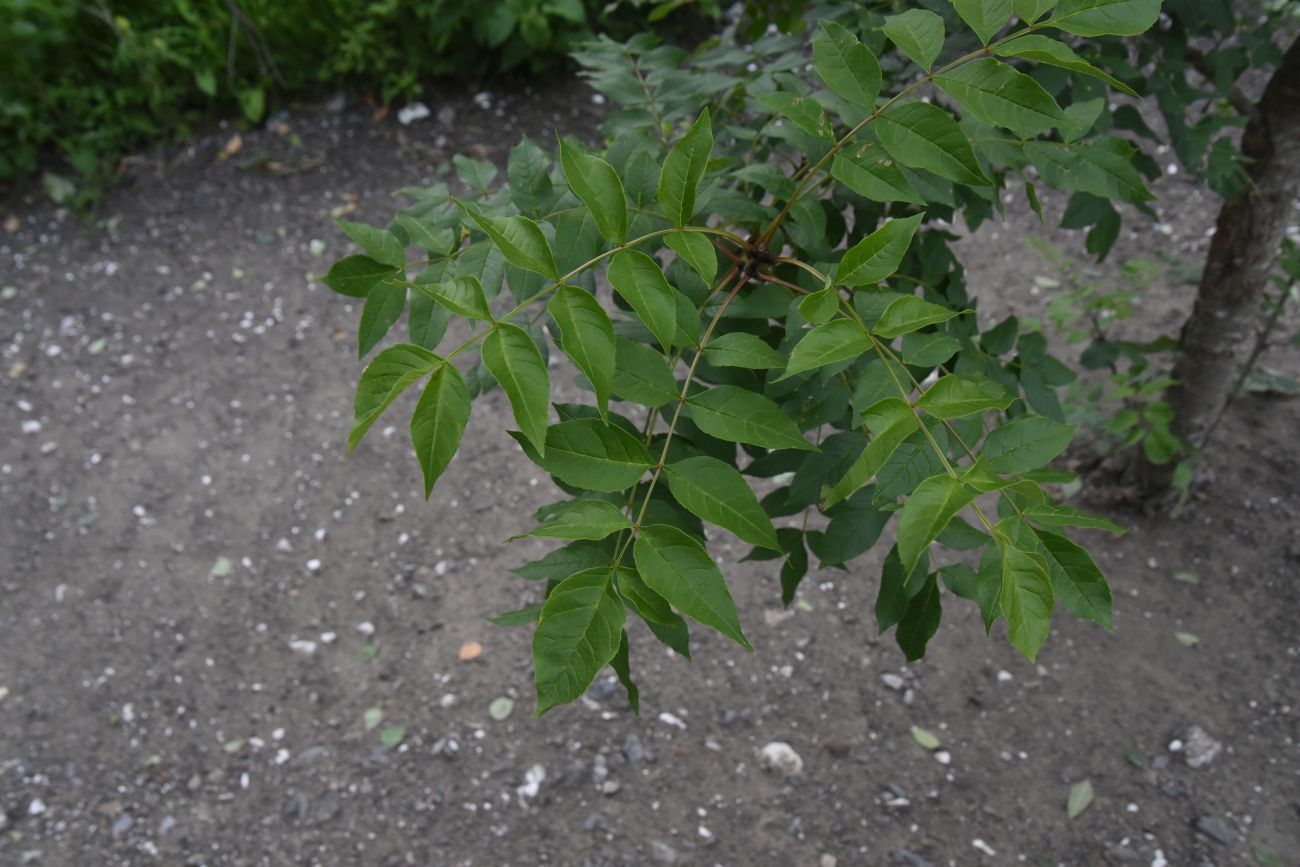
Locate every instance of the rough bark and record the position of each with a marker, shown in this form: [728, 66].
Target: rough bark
[1248, 235]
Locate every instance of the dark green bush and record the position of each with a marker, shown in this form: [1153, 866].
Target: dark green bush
[88, 81]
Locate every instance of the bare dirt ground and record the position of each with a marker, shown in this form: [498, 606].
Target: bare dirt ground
[202, 596]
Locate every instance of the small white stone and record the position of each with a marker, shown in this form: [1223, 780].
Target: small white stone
[36, 807]
[283, 545]
[1175, 746]
[409, 114]
[893, 681]
[668, 719]
[533, 779]
[303, 646]
[313, 565]
[1004, 676]
[328, 637]
[320, 534]
[983, 847]
[365, 627]
[31, 426]
[943, 757]
[780, 756]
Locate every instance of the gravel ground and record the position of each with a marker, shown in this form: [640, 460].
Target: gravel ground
[224, 642]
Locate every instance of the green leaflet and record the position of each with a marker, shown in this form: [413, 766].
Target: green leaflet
[518, 617]
[588, 454]
[804, 111]
[595, 182]
[854, 527]
[642, 375]
[641, 282]
[1078, 582]
[528, 171]
[874, 177]
[985, 17]
[460, 295]
[563, 562]
[438, 422]
[926, 512]
[739, 349]
[849, 69]
[475, 174]
[1026, 599]
[383, 307]
[890, 421]
[918, 33]
[924, 136]
[1105, 17]
[876, 256]
[426, 321]
[1042, 49]
[587, 337]
[920, 620]
[1048, 515]
[999, 95]
[1030, 11]
[652, 607]
[356, 275]
[717, 493]
[820, 306]
[622, 669]
[585, 519]
[908, 314]
[1026, 444]
[927, 350]
[390, 373]
[679, 181]
[519, 239]
[577, 635]
[953, 397]
[982, 587]
[427, 237]
[826, 344]
[897, 586]
[740, 416]
[1102, 167]
[380, 245]
[677, 567]
[514, 361]
[698, 253]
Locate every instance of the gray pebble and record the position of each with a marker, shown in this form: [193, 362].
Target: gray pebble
[121, 825]
[633, 749]
[603, 689]
[911, 859]
[1216, 828]
[662, 852]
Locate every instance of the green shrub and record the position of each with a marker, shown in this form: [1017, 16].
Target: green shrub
[787, 313]
[90, 81]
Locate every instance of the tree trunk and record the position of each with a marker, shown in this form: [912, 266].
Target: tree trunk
[1248, 236]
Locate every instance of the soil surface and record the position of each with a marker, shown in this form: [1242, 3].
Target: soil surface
[204, 601]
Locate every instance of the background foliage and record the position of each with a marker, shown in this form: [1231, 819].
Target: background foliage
[89, 80]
